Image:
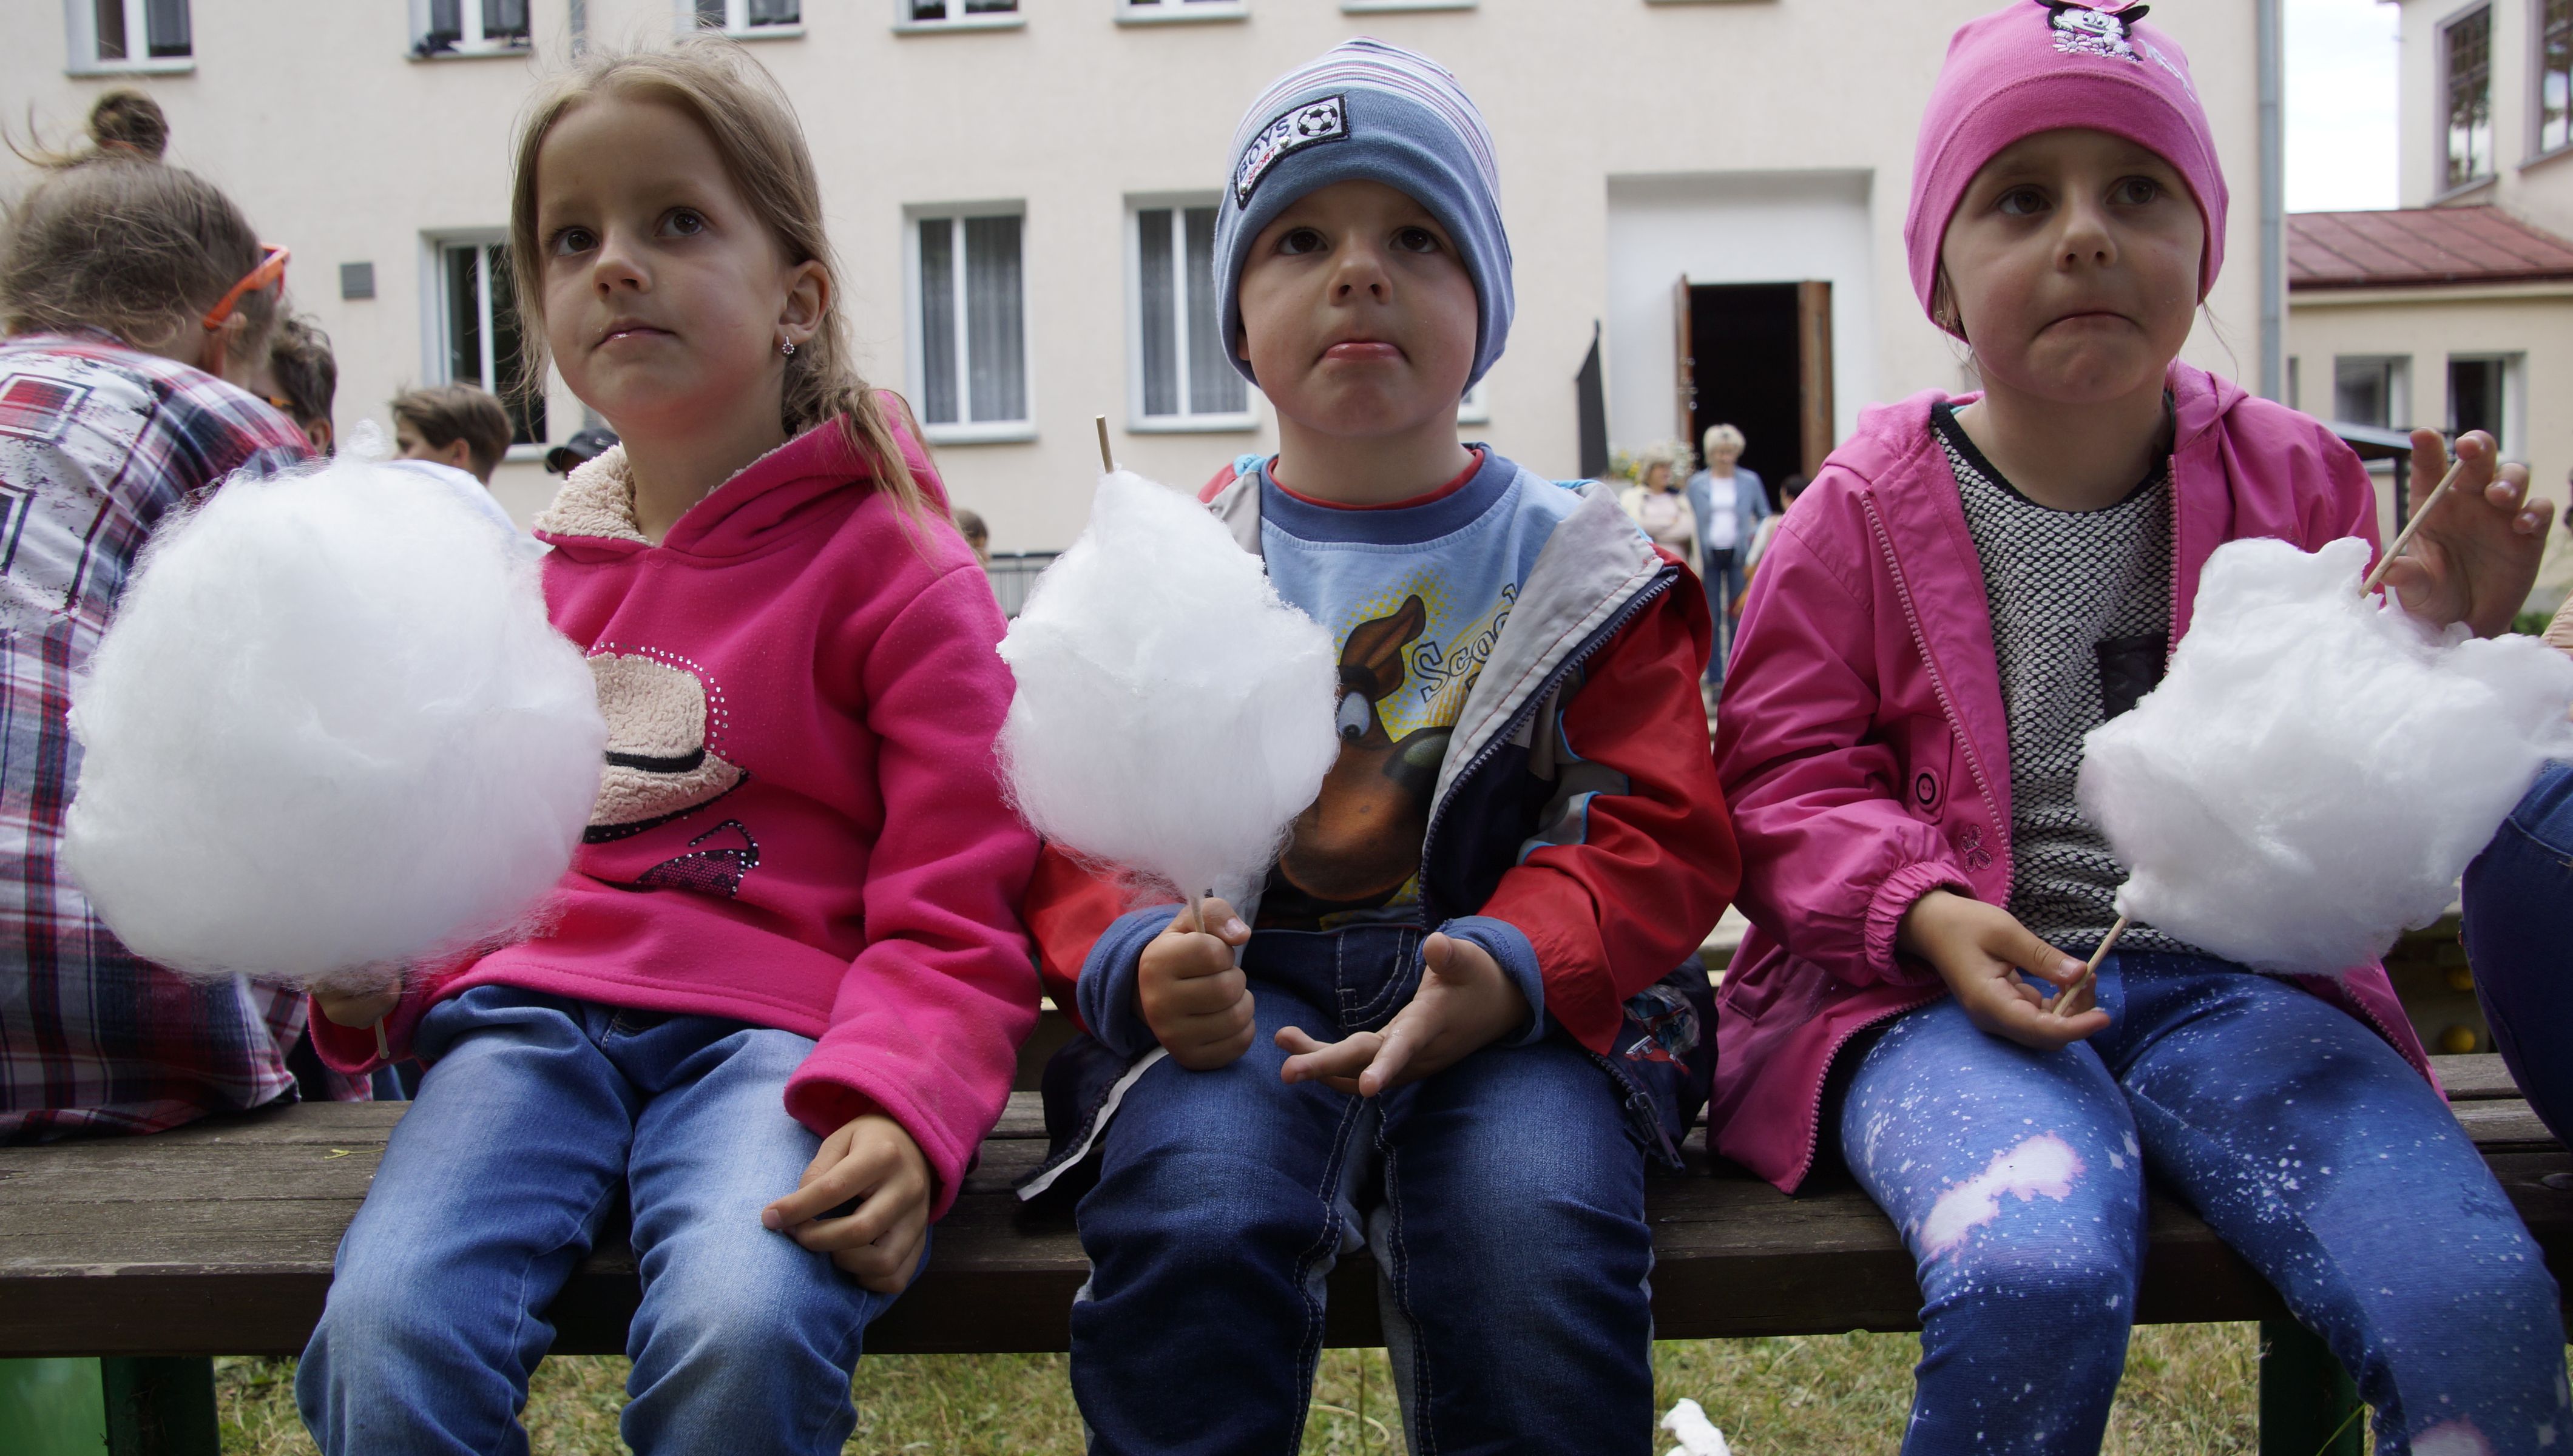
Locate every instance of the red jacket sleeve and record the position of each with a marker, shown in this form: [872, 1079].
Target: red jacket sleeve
[1069, 907]
[1637, 860]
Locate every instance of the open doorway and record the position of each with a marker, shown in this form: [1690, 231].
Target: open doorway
[1757, 357]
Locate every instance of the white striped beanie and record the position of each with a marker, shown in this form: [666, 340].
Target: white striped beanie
[1367, 111]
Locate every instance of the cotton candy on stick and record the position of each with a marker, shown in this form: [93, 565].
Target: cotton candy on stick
[2318, 767]
[329, 732]
[1173, 714]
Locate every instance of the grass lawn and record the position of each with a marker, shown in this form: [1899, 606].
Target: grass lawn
[2190, 1390]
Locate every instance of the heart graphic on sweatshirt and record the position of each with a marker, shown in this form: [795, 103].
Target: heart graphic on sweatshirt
[663, 722]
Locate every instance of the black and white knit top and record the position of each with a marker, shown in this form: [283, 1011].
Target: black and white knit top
[2082, 608]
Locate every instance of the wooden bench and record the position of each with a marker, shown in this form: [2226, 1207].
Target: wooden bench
[217, 1240]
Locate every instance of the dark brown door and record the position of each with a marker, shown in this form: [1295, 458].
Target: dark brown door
[1814, 369]
[1686, 372]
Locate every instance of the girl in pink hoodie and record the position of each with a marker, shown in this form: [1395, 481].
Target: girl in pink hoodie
[781, 1002]
[1971, 584]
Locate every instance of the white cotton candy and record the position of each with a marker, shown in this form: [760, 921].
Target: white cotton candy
[2317, 770]
[1173, 715]
[329, 732]
[1697, 1436]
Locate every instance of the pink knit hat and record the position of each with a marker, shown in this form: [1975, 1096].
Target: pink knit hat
[2037, 65]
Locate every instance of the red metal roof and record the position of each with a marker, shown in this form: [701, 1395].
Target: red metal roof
[2411, 247]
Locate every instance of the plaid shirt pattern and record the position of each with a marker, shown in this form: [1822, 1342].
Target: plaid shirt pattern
[97, 443]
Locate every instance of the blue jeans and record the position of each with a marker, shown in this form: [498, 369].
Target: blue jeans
[537, 1113]
[1503, 1200]
[2315, 1151]
[1722, 573]
[2519, 939]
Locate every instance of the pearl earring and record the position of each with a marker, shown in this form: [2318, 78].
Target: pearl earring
[787, 347]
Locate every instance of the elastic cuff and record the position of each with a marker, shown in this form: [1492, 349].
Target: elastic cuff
[1508, 945]
[1894, 898]
[1108, 975]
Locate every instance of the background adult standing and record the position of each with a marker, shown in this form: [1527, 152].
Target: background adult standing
[1730, 501]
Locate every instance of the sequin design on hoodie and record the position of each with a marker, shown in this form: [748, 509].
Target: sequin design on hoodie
[664, 726]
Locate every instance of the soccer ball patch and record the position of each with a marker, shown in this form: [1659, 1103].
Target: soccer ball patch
[1309, 124]
[2093, 30]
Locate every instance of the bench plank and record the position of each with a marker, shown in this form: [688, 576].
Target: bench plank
[217, 1238]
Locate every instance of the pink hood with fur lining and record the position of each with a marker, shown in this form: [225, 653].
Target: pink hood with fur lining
[800, 825]
[1865, 749]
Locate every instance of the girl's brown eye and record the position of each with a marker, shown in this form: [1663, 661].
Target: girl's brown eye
[686, 223]
[2019, 202]
[1416, 240]
[573, 240]
[1301, 240]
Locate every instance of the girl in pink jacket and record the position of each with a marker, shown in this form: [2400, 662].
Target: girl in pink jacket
[781, 1002]
[1971, 585]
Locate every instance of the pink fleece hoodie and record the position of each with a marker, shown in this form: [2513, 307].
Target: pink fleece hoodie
[800, 825]
[1865, 750]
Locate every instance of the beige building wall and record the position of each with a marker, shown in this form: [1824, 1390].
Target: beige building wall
[2530, 325]
[2535, 182]
[1614, 120]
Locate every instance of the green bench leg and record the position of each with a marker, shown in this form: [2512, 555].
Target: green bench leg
[52, 1408]
[160, 1406]
[2308, 1404]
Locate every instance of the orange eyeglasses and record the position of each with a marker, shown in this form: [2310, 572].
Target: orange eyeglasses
[272, 267]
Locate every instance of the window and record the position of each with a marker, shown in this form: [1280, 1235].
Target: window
[478, 332]
[469, 26]
[1182, 375]
[1475, 407]
[960, 13]
[2295, 382]
[1146, 11]
[2554, 74]
[2466, 46]
[2483, 396]
[2372, 390]
[969, 319]
[744, 17]
[131, 35]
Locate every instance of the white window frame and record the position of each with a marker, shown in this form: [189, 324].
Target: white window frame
[473, 44]
[1179, 12]
[966, 431]
[80, 28]
[2398, 387]
[1476, 406]
[957, 20]
[737, 24]
[1137, 421]
[1380, 7]
[436, 346]
[2447, 101]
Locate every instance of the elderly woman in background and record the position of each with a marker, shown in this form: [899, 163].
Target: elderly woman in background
[1729, 502]
[1657, 502]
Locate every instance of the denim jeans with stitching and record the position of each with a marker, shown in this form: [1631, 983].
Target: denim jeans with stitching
[1503, 1200]
[2519, 940]
[2312, 1146]
[539, 1114]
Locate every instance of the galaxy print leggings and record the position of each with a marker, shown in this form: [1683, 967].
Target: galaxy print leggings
[2312, 1147]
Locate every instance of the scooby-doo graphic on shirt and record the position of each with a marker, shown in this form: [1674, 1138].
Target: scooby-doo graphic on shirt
[1355, 853]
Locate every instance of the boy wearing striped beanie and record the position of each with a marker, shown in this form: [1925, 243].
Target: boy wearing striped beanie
[1454, 1036]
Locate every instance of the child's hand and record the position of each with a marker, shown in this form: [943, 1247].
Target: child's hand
[1975, 947]
[874, 1166]
[1464, 1005]
[1195, 998]
[2478, 548]
[356, 1007]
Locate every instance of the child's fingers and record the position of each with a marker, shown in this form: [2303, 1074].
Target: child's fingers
[1399, 1049]
[888, 1266]
[858, 1173]
[1332, 1062]
[1220, 921]
[2020, 947]
[1201, 994]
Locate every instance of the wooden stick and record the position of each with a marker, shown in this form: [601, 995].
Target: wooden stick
[1107, 458]
[2090, 973]
[2378, 577]
[384, 1049]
